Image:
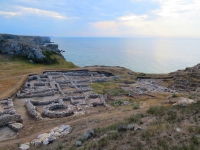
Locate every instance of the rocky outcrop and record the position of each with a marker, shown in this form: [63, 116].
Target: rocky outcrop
[184, 101]
[19, 48]
[30, 46]
[51, 47]
[39, 40]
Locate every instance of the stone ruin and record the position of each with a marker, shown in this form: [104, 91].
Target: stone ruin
[62, 94]
[8, 115]
[147, 86]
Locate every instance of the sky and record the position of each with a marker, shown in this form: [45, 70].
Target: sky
[101, 18]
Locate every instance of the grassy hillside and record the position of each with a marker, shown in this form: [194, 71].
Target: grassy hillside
[14, 70]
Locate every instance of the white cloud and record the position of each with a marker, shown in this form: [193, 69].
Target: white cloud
[132, 17]
[179, 8]
[27, 11]
[9, 14]
[175, 18]
[42, 12]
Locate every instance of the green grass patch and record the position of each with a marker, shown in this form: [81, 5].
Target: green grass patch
[52, 59]
[116, 103]
[108, 88]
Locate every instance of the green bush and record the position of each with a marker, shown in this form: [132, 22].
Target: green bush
[174, 95]
[136, 106]
[171, 115]
[156, 110]
[135, 118]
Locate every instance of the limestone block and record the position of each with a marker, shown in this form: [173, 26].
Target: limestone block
[16, 126]
[46, 141]
[25, 146]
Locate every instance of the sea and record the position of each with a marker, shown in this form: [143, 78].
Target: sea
[146, 55]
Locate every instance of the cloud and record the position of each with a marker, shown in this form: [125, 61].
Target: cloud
[8, 14]
[28, 11]
[42, 12]
[174, 18]
[132, 17]
[179, 8]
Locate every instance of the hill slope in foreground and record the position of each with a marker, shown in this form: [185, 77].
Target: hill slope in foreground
[141, 112]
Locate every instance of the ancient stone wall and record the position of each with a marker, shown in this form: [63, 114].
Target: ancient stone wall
[32, 110]
[8, 111]
[99, 79]
[34, 102]
[5, 119]
[35, 94]
[9, 114]
[77, 74]
[48, 110]
[60, 89]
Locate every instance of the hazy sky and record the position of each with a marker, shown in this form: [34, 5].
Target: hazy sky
[112, 18]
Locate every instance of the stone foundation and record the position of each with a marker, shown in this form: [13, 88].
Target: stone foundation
[32, 110]
[5, 119]
[48, 110]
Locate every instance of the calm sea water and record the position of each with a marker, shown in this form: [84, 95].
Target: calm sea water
[141, 55]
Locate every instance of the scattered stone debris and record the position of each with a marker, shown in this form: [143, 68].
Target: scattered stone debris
[88, 134]
[47, 138]
[184, 101]
[131, 126]
[146, 86]
[78, 143]
[126, 102]
[178, 129]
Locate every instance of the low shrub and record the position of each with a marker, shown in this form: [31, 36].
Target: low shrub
[135, 118]
[156, 110]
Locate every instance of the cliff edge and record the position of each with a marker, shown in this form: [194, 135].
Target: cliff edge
[32, 47]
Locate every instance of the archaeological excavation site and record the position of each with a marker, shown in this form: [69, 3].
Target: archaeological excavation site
[52, 95]
[74, 108]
